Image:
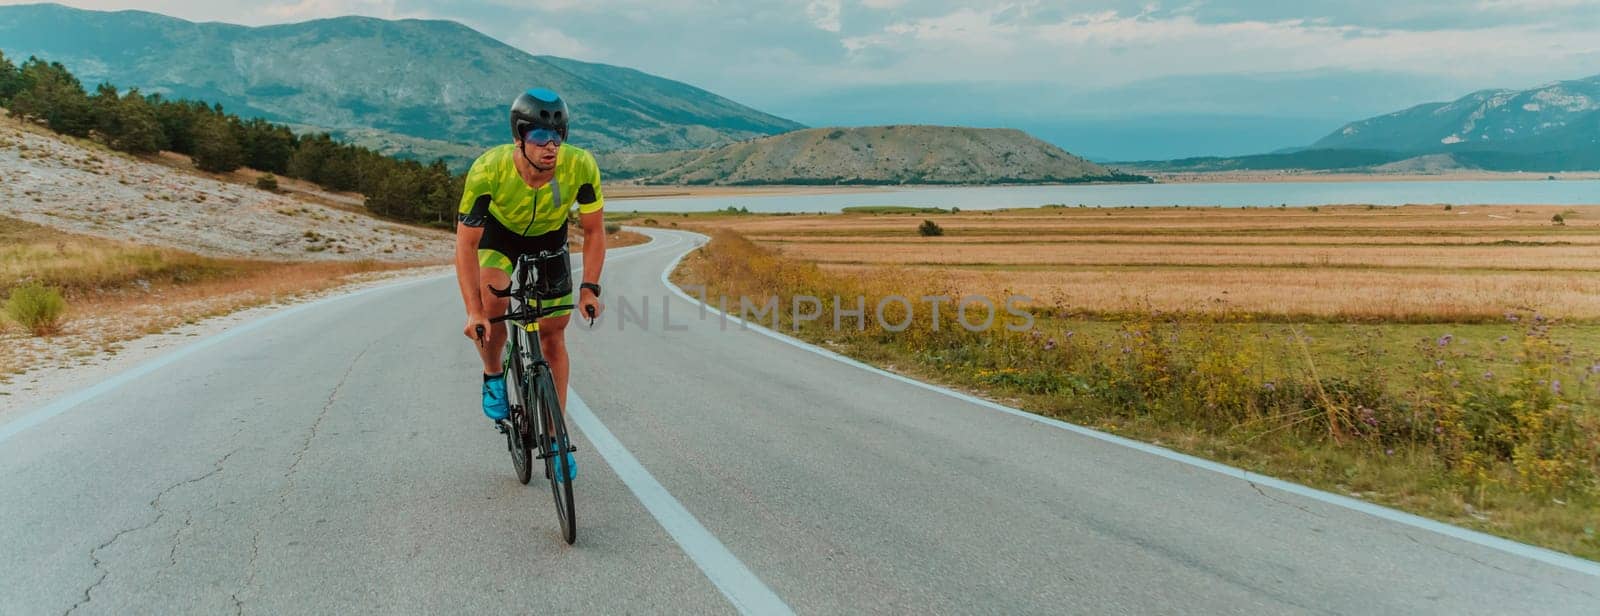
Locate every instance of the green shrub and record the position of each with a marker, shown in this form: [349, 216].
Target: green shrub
[612, 228]
[930, 229]
[267, 181]
[1558, 219]
[36, 307]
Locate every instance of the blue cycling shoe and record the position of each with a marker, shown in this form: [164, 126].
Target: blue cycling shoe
[565, 462]
[494, 397]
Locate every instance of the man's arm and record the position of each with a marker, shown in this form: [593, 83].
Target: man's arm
[467, 268]
[594, 245]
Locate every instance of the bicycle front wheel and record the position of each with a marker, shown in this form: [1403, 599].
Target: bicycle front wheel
[555, 445]
[519, 436]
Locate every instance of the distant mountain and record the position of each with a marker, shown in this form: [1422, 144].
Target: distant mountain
[414, 86]
[1555, 127]
[1557, 116]
[869, 155]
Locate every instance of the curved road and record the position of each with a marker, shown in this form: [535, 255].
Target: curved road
[334, 461]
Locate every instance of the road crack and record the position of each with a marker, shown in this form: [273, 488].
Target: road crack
[1280, 501]
[316, 426]
[155, 505]
[1494, 566]
[289, 474]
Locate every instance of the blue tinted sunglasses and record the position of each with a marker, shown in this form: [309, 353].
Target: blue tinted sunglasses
[542, 136]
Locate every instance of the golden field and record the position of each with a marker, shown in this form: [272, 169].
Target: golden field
[1349, 262]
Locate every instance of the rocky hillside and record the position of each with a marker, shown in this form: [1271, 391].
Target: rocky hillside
[82, 187]
[868, 155]
[411, 86]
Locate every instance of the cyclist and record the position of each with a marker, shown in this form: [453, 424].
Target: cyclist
[516, 201]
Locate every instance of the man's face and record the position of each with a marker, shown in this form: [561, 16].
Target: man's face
[542, 145]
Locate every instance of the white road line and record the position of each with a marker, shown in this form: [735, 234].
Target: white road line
[1549, 557]
[742, 588]
[68, 402]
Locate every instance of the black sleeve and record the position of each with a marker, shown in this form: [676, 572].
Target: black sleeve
[586, 193]
[479, 215]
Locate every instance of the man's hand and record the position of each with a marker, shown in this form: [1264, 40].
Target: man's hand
[477, 328]
[589, 306]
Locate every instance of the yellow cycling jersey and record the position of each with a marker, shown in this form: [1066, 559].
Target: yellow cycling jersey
[528, 211]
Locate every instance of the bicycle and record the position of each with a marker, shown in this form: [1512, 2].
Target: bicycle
[543, 435]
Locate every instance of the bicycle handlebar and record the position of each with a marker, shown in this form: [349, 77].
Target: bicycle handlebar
[528, 314]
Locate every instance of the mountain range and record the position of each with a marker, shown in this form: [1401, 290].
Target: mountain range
[1554, 127]
[418, 87]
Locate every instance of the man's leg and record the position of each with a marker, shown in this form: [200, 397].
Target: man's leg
[493, 306]
[495, 405]
[553, 342]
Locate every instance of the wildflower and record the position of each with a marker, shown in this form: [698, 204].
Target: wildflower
[1388, 452]
[1269, 386]
[1050, 344]
[1445, 339]
[1071, 334]
[1504, 338]
[1538, 318]
[1595, 369]
[1488, 376]
[1555, 387]
[1511, 318]
[1438, 363]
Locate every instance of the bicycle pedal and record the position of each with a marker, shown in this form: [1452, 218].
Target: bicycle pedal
[500, 426]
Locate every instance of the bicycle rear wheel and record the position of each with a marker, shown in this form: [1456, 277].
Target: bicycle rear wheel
[554, 445]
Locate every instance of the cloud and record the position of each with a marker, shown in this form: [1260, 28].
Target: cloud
[824, 14]
[764, 52]
[1109, 47]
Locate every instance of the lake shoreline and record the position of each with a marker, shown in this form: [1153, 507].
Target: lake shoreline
[813, 199]
[627, 190]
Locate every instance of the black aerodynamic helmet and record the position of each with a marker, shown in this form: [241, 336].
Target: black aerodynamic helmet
[538, 108]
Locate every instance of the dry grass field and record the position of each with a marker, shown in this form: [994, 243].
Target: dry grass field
[1411, 263]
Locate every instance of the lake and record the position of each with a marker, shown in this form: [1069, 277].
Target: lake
[1522, 192]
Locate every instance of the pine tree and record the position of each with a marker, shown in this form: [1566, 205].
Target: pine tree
[141, 129]
[10, 80]
[50, 93]
[216, 149]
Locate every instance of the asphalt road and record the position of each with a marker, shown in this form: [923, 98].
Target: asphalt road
[334, 460]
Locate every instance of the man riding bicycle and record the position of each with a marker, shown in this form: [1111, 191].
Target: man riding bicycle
[516, 202]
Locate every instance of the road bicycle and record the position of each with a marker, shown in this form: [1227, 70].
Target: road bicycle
[535, 427]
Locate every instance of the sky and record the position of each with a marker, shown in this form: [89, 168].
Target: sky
[1073, 63]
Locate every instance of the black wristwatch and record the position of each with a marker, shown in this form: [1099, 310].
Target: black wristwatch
[592, 287]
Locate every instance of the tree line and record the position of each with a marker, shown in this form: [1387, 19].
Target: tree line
[220, 142]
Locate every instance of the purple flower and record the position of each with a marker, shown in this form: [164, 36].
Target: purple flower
[1438, 363]
[1595, 369]
[1511, 317]
[1071, 334]
[1504, 338]
[1438, 429]
[1050, 344]
[1445, 339]
[1269, 386]
[1555, 387]
[1487, 375]
[1538, 318]
[1388, 452]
